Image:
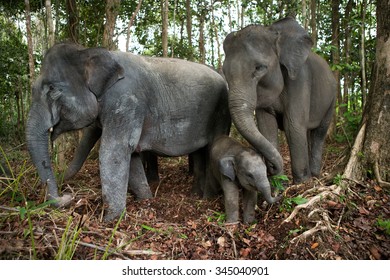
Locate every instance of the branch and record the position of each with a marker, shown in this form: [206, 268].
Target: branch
[378, 176]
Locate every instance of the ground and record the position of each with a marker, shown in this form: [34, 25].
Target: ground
[349, 220]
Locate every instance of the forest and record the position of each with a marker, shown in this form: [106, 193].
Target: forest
[343, 214]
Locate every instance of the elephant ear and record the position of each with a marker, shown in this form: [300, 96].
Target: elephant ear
[226, 167]
[293, 45]
[101, 71]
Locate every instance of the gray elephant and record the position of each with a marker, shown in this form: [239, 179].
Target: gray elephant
[171, 107]
[271, 71]
[237, 167]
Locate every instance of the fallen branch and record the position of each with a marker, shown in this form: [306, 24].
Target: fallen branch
[318, 227]
[113, 252]
[330, 191]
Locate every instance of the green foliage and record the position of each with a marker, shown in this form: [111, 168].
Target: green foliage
[384, 225]
[14, 79]
[348, 126]
[69, 242]
[218, 217]
[277, 182]
[289, 203]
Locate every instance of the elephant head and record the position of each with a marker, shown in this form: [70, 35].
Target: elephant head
[249, 169]
[65, 97]
[258, 61]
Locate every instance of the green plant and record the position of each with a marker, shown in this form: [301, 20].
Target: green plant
[289, 202]
[338, 179]
[69, 242]
[218, 217]
[384, 225]
[107, 251]
[277, 181]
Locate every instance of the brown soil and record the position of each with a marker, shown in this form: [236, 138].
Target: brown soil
[178, 225]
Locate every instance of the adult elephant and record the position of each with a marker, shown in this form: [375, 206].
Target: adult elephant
[271, 71]
[171, 107]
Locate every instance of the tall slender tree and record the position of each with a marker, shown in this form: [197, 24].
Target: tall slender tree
[371, 151]
[112, 10]
[164, 38]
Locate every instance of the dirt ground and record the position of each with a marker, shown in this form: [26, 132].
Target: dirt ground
[348, 220]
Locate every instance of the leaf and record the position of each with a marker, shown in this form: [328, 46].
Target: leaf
[363, 211]
[299, 200]
[221, 241]
[244, 252]
[314, 245]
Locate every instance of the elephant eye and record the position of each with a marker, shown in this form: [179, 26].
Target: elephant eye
[261, 67]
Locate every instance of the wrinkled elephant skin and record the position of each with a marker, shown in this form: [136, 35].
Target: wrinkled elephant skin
[170, 107]
[237, 167]
[271, 71]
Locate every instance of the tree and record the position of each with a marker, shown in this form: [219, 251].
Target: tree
[73, 32]
[112, 9]
[164, 36]
[130, 24]
[371, 152]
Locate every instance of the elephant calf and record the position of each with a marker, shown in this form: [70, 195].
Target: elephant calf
[234, 165]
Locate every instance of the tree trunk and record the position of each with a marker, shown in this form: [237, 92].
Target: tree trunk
[374, 158]
[29, 43]
[189, 29]
[347, 48]
[130, 24]
[363, 51]
[336, 44]
[313, 22]
[112, 9]
[50, 26]
[71, 8]
[164, 39]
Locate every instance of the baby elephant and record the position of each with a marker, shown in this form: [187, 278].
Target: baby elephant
[234, 165]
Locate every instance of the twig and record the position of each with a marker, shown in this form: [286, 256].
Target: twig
[130, 252]
[158, 186]
[318, 227]
[378, 176]
[13, 209]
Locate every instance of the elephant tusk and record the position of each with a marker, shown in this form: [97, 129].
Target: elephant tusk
[51, 129]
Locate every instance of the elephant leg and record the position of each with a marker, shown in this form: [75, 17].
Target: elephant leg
[299, 152]
[317, 140]
[199, 165]
[249, 201]
[150, 162]
[90, 136]
[138, 184]
[268, 126]
[231, 199]
[114, 173]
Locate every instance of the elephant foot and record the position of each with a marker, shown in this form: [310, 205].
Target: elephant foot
[62, 201]
[112, 214]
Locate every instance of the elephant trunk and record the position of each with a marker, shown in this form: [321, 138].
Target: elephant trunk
[37, 134]
[242, 107]
[264, 188]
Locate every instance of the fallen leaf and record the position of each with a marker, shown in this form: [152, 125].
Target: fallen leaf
[377, 188]
[246, 241]
[244, 252]
[363, 211]
[336, 247]
[375, 253]
[314, 245]
[206, 244]
[221, 241]
[87, 239]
